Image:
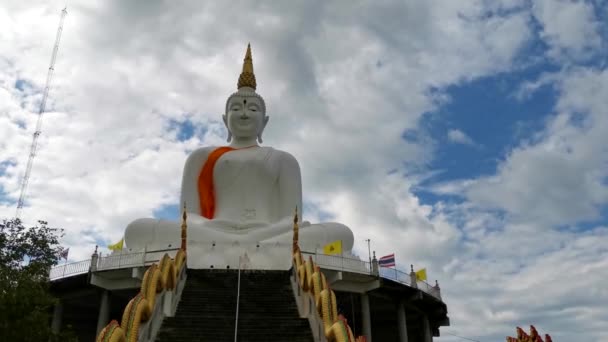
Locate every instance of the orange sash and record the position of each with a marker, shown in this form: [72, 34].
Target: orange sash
[206, 190]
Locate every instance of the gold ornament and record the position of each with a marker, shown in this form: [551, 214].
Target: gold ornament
[247, 77]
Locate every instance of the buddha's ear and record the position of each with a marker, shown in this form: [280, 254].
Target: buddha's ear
[266, 118]
[228, 129]
[265, 121]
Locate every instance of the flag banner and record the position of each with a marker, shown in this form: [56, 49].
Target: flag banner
[387, 261]
[64, 253]
[333, 247]
[421, 274]
[117, 246]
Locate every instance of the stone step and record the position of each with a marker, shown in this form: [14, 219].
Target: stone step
[206, 312]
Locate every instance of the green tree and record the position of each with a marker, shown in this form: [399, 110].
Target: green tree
[26, 256]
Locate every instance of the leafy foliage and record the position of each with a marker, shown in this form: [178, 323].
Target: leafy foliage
[26, 256]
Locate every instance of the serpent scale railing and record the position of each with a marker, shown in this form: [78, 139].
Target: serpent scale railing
[159, 294]
[321, 307]
[158, 297]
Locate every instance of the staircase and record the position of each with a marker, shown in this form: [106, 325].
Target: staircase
[207, 309]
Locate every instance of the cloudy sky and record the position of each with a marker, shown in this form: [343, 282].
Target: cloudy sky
[467, 137]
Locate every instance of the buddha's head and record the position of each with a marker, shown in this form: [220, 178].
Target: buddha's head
[245, 116]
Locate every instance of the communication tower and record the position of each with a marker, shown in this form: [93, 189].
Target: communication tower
[34, 146]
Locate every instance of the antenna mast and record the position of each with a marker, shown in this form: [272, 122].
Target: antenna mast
[34, 146]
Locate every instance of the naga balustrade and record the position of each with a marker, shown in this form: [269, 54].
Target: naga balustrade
[159, 294]
[165, 306]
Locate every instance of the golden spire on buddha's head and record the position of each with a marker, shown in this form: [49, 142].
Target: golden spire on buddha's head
[247, 77]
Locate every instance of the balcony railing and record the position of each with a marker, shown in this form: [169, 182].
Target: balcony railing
[70, 269]
[333, 262]
[110, 262]
[339, 263]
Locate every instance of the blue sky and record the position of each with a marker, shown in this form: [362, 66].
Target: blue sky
[493, 119]
[466, 137]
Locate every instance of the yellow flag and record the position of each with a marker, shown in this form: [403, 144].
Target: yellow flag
[333, 247]
[117, 246]
[421, 274]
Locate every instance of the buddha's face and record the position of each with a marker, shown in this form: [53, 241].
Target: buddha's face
[245, 117]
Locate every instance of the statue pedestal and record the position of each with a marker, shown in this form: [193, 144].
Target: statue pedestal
[252, 256]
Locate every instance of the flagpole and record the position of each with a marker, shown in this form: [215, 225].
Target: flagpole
[369, 251]
[369, 254]
[238, 296]
[396, 274]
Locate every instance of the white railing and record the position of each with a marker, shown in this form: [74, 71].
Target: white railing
[334, 262]
[69, 269]
[110, 262]
[339, 263]
[121, 260]
[396, 275]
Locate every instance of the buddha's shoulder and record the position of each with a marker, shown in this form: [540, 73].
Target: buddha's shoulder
[199, 155]
[282, 156]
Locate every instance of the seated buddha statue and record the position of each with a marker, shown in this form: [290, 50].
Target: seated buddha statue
[240, 193]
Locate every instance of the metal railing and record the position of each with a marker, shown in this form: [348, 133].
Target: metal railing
[70, 269]
[110, 262]
[334, 262]
[121, 260]
[339, 263]
[396, 275]
[428, 288]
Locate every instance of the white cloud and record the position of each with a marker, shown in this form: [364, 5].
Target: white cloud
[559, 176]
[342, 83]
[555, 179]
[569, 27]
[459, 137]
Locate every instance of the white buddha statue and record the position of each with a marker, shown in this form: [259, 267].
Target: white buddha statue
[241, 193]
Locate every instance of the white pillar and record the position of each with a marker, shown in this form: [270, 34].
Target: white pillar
[426, 332]
[401, 322]
[57, 315]
[367, 318]
[104, 311]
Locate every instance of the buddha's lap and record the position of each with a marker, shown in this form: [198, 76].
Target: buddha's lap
[165, 233]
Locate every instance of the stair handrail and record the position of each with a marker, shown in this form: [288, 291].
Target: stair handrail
[306, 308]
[143, 308]
[165, 306]
[149, 329]
[238, 297]
[179, 289]
[160, 291]
[322, 313]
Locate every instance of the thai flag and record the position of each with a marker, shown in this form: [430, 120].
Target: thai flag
[64, 253]
[387, 261]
